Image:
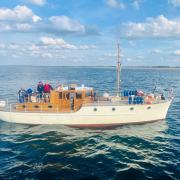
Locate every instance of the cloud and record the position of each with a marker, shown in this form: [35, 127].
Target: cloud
[5, 27]
[136, 4]
[23, 27]
[23, 19]
[34, 47]
[176, 52]
[46, 48]
[152, 27]
[87, 47]
[20, 19]
[60, 43]
[13, 46]
[38, 2]
[15, 27]
[19, 13]
[175, 3]
[156, 51]
[47, 55]
[2, 46]
[65, 24]
[49, 41]
[115, 4]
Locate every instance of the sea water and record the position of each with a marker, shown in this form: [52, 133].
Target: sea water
[144, 151]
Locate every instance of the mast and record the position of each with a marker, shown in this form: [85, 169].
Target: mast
[118, 70]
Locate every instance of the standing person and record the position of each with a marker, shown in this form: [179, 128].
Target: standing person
[60, 87]
[47, 89]
[29, 93]
[21, 95]
[40, 89]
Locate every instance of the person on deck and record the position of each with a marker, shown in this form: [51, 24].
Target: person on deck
[21, 95]
[29, 94]
[162, 97]
[47, 89]
[40, 90]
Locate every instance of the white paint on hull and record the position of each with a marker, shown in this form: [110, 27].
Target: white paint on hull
[86, 116]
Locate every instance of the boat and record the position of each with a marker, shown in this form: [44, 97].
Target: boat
[80, 106]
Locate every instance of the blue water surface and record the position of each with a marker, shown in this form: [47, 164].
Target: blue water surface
[147, 151]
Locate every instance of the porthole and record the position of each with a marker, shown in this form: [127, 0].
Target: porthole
[36, 106]
[131, 108]
[49, 106]
[95, 109]
[149, 107]
[113, 109]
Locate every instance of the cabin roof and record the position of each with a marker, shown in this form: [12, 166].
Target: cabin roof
[78, 88]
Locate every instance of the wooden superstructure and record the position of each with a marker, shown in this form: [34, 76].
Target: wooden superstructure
[64, 100]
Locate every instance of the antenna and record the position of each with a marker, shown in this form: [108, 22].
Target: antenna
[118, 70]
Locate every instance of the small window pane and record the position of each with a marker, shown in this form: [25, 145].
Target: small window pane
[78, 95]
[60, 95]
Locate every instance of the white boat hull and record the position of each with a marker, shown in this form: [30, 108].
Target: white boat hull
[87, 117]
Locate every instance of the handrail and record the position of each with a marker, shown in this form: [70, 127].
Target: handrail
[11, 107]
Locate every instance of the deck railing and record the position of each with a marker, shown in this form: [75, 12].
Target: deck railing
[96, 101]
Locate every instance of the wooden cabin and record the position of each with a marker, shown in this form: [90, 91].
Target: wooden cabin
[64, 100]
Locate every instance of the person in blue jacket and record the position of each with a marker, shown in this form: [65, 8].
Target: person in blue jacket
[29, 94]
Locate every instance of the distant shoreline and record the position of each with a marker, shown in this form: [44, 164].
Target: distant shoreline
[126, 67]
[135, 67]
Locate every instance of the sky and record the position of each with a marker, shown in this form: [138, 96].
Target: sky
[86, 32]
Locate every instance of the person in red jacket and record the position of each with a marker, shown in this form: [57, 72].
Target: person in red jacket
[47, 89]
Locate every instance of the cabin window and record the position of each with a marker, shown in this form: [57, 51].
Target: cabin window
[95, 109]
[131, 108]
[36, 106]
[67, 96]
[50, 106]
[60, 95]
[113, 109]
[72, 88]
[78, 95]
[149, 107]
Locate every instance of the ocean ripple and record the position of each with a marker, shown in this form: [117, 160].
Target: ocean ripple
[148, 151]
